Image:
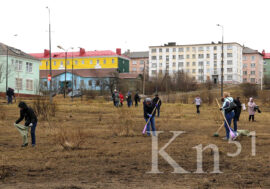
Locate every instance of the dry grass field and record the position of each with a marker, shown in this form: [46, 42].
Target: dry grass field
[91, 144]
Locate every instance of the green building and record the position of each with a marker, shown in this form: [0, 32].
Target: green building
[18, 70]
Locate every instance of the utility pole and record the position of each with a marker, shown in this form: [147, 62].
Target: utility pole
[7, 69]
[50, 49]
[222, 59]
[144, 78]
[72, 76]
[65, 86]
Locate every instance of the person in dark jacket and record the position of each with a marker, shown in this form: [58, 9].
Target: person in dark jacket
[237, 112]
[158, 105]
[10, 94]
[137, 99]
[148, 107]
[129, 99]
[30, 117]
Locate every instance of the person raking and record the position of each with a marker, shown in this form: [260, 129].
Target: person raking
[148, 107]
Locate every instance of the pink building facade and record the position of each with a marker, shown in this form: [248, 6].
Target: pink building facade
[252, 66]
[139, 62]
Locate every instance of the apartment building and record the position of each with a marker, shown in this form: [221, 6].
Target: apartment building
[201, 61]
[252, 66]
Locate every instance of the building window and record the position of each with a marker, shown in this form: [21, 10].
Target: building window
[201, 56]
[193, 63]
[245, 80]
[229, 55]
[154, 57]
[252, 65]
[141, 69]
[160, 49]
[229, 70]
[18, 84]
[193, 70]
[97, 61]
[46, 63]
[141, 62]
[252, 58]
[167, 58]
[104, 61]
[208, 63]
[187, 70]
[160, 57]
[229, 62]
[215, 48]
[174, 57]
[215, 56]
[18, 65]
[200, 70]
[252, 73]
[187, 56]
[82, 84]
[244, 57]
[229, 47]
[134, 69]
[181, 49]
[67, 62]
[207, 55]
[244, 65]
[134, 62]
[194, 56]
[187, 64]
[180, 64]
[174, 64]
[264, 62]
[200, 48]
[45, 84]
[54, 63]
[200, 63]
[112, 61]
[252, 80]
[154, 72]
[244, 72]
[76, 62]
[167, 49]
[82, 61]
[174, 49]
[207, 48]
[180, 57]
[29, 84]
[193, 49]
[160, 64]
[229, 77]
[91, 61]
[187, 49]
[61, 63]
[154, 65]
[29, 67]
[90, 83]
[154, 50]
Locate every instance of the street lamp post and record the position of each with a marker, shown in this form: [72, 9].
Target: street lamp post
[50, 49]
[222, 59]
[7, 69]
[66, 51]
[72, 76]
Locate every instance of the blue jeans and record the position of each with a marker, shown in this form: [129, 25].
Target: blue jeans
[229, 116]
[235, 124]
[33, 133]
[152, 123]
[9, 99]
[129, 103]
[158, 111]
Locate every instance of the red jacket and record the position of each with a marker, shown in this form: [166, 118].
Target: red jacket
[121, 97]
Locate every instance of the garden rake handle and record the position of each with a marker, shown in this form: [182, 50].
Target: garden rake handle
[223, 114]
[219, 128]
[144, 129]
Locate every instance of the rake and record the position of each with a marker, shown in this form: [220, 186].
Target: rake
[144, 129]
[232, 134]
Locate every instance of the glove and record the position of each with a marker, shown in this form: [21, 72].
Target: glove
[157, 105]
[31, 124]
[149, 115]
[220, 109]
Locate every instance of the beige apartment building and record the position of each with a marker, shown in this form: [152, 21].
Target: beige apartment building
[200, 61]
[252, 66]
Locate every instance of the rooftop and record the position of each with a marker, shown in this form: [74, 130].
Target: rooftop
[140, 54]
[4, 49]
[266, 56]
[172, 44]
[247, 50]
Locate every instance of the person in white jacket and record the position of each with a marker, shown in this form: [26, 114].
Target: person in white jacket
[198, 103]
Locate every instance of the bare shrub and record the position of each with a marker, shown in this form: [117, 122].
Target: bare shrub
[249, 90]
[2, 113]
[207, 97]
[265, 97]
[124, 124]
[43, 108]
[69, 139]
[184, 98]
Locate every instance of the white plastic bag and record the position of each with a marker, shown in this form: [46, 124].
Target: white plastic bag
[244, 107]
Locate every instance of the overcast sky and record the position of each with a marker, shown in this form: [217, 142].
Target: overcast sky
[133, 24]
